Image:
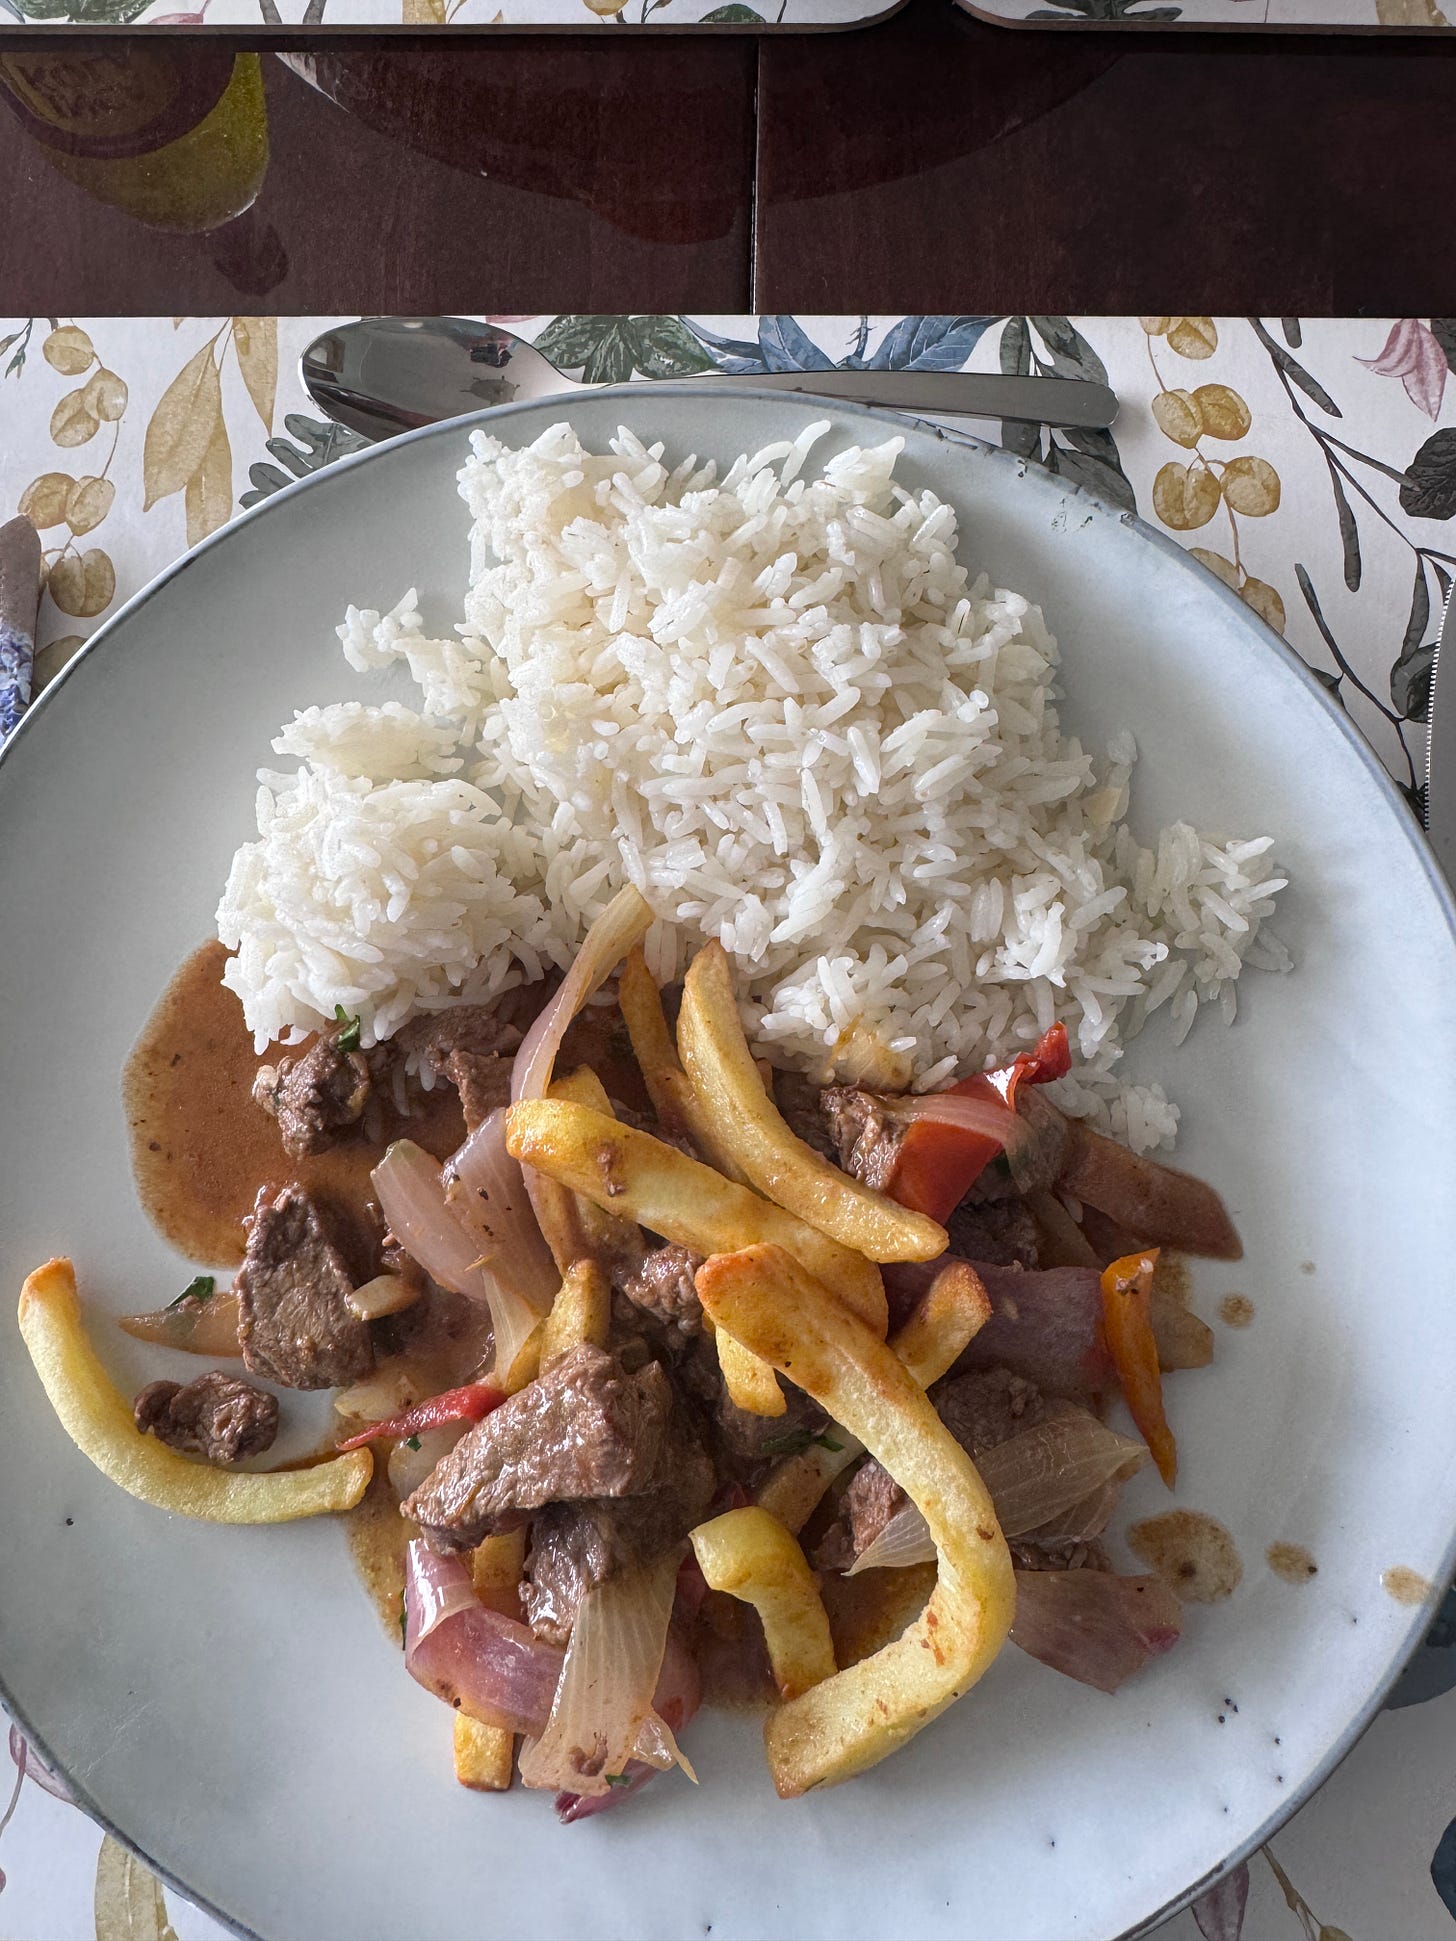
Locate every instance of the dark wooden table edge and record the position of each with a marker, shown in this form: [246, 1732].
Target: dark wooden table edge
[1232, 28]
[285, 38]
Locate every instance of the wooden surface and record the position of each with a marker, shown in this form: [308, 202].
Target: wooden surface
[931, 162]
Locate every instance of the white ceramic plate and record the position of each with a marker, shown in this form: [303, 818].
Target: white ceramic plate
[227, 1700]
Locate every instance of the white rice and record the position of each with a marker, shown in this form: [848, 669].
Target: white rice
[778, 705]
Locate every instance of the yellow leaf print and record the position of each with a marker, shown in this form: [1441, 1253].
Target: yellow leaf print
[73, 422]
[68, 350]
[256, 341]
[45, 499]
[181, 428]
[424, 13]
[83, 584]
[209, 497]
[88, 502]
[129, 1902]
[1410, 13]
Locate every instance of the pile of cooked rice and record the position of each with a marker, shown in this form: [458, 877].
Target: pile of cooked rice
[779, 705]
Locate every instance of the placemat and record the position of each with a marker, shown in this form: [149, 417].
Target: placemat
[1311, 464]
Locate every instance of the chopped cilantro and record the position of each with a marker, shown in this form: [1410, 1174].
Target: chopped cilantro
[796, 1441]
[201, 1289]
[347, 1038]
[618, 1779]
[411, 1442]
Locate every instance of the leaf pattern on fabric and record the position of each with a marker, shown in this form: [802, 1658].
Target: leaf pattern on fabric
[1219, 1914]
[129, 1904]
[181, 428]
[311, 444]
[610, 350]
[256, 341]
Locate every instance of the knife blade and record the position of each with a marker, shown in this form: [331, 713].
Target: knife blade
[1440, 813]
[19, 605]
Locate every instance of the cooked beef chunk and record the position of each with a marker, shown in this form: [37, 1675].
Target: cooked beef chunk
[483, 1080]
[576, 1546]
[1002, 1232]
[980, 1410]
[742, 1442]
[294, 1325]
[798, 1101]
[216, 1416]
[316, 1097]
[584, 1428]
[663, 1286]
[484, 1030]
[866, 1137]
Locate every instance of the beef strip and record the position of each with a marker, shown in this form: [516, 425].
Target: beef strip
[316, 1097]
[483, 1080]
[216, 1416]
[294, 1324]
[1002, 1232]
[584, 1429]
[576, 1546]
[483, 1030]
[743, 1443]
[980, 1410]
[662, 1285]
[798, 1101]
[866, 1138]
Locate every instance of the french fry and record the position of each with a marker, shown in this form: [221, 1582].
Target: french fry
[750, 1555]
[854, 1719]
[950, 1312]
[99, 1422]
[751, 1384]
[731, 1097]
[581, 1312]
[601, 1235]
[484, 1755]
[630, 1172]
[640, 1003]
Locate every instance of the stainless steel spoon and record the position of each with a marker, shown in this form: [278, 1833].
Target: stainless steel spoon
[1441, 762]
[384, 375]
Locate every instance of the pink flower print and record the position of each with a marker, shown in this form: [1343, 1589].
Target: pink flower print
[1413, 354]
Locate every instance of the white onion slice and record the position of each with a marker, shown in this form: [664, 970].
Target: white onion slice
[487, 1195]
[1034, 1478]
[412, 1198]
[602, 1716]
[625, 922]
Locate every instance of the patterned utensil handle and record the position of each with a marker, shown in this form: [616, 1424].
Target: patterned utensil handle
[19, 602]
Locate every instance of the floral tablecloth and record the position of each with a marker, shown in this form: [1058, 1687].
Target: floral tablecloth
[1310, 464]
[1328, 16]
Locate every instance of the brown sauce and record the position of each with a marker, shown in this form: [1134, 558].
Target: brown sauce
[1291, 1561]
[1405, 1585]
[1193, 1554]
[201, 1147]
[377, 1535]
[1236, 1310]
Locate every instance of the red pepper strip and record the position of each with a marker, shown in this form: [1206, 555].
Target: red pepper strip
[1126, 1313]
[938, 1164]
[468, 1404]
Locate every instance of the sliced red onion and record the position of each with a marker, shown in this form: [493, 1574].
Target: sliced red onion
[602, 1716]
[1095, 1627]
[486, 1193]
[1045, 1325]
[486, 1664]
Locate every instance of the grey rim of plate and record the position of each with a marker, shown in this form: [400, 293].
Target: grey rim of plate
[1213, 588]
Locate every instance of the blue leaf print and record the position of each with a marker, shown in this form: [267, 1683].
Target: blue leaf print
[786, 347]
[1443, 1869]
[734, 355]
[929, 343]
[1433, 1668]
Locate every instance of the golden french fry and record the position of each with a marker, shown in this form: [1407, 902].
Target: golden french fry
[600, 1235]
[732, 1098]
[750, 1555]
[581, 1312]
[853, 1720]
[630, 1172]
[750, 1383]
[495, 1570]
[952, 1309]
[484, 1755]
[99, 1422]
